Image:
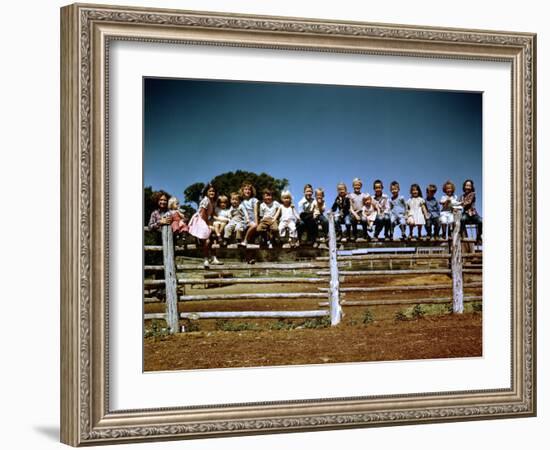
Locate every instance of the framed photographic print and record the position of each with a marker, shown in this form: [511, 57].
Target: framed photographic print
[276, 224]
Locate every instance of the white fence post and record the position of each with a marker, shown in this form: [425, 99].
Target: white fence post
[456, 263]
[334, 295]
[170, 279]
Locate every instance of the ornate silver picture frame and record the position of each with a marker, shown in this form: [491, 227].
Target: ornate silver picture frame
[87, 32]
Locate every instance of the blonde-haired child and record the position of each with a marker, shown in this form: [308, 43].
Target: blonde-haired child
[252, 206]
[356, 204]
[288, 219]
[319, 212]
[237, 219]
[221, 216]
[369, 213]
[177, 217]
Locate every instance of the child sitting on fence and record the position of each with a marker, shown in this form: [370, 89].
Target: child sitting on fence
[383, 219]
[342, 206]
[398, 210]
[199, 225]
[469, 214]
[251, 205]
[221, 216]
[237, 220]
[433, 208]
[307, 221]
[270, 211]
[161, 215]
[178, 219]
[369, 213]
[446, 219]
[289, 219]
[416, 211]
[356, 203]
[319, 213]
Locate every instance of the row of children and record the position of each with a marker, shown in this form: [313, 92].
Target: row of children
[242, 216]
[380, 212]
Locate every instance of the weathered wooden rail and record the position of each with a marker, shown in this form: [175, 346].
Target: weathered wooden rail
[329, 273]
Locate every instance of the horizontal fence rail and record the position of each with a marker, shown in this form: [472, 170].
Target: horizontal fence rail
[243, 266]
[276, 280]
[378, 256]
[405, 301]
[257, 296]
[403, 288]
[362, 273]
[253, 314]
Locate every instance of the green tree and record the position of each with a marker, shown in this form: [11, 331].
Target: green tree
[229, 182]
[192, 193]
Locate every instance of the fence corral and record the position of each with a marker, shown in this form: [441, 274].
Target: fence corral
[328, 275]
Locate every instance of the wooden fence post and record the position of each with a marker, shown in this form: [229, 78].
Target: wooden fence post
[456, 263]
[334, 296]
[170, 279]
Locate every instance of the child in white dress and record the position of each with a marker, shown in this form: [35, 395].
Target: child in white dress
[288, 219]
[369, 213]
[446, 220]
[416, 211]
[221, 216]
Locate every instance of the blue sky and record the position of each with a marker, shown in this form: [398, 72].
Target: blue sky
[318, 134]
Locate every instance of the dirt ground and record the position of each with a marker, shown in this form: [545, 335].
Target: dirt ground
[373, 333]
[441, 336]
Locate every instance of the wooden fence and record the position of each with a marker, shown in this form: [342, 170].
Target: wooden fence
[171, 282]
[329, 278]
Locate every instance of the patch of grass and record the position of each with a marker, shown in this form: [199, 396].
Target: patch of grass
[418, 312]
[231, 325]
[156, 330]
[477, 307]
[316, 322]
[368, 317]
[282, 324]
[192, 325]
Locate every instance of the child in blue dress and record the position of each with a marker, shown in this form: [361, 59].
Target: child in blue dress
[251, 205]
